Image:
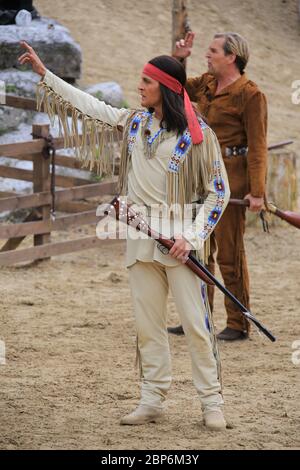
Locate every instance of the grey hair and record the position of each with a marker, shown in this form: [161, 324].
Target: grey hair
[236, 44]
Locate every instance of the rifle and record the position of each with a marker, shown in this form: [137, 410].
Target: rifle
[280, 144]
[125, 213]
[292, 218]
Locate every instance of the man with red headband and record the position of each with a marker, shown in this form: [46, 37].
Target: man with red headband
[236, 110]
[169, 159]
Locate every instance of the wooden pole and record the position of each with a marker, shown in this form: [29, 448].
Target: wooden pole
[180, 22]
[41, 179]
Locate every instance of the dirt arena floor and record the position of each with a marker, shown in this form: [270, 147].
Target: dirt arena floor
[67, 323]
[70, 350]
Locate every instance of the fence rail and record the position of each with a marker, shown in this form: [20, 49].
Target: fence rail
[74, 197]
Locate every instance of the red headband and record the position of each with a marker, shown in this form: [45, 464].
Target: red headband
[174, 85]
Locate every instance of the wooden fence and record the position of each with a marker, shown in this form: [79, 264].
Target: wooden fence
[72, 193]
[69, 195]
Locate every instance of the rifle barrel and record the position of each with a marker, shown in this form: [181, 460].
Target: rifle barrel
[133, 219]
[280, 144]
[239, 202]
[292, 218]
[227, 293]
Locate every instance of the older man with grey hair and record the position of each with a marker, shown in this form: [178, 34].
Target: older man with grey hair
[236, 110]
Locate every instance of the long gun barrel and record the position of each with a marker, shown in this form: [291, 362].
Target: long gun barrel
[292, 218]
[280, 144]
[124, 213]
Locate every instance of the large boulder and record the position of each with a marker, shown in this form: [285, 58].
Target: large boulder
[23, 83]
[17, 83]
[11, 118]
[56, 48]
[110, 92]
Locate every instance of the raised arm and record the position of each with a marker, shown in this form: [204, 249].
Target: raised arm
[81, 101]
[99, 120]
[183, 48]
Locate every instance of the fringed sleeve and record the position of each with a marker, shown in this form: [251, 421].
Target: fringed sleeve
[216, 192]
[99, 121]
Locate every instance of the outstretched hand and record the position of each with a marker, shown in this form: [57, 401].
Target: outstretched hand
[31, 57]
[184, 47]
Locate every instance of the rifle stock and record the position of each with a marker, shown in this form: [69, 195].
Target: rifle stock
[134, 220]
[190, 262]
[292, 218]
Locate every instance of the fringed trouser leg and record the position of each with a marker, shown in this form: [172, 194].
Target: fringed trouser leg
[149, 284]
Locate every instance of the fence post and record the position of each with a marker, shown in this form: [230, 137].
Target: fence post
[41, 179]
[180, 22]
[282, 187]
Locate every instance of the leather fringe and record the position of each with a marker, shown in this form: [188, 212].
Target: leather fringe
[213, 337]
[96, 147]
[138, 359]
[195, 173]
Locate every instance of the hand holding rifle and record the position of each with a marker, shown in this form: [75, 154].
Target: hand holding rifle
[125, 213]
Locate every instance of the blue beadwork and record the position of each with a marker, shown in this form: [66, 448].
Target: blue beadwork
[215, 215]
[219, 187]
[182, 147]
[207, 322]
[216, 212]
[134, 127]
[150, 139]
[183, 144]
[204, 298]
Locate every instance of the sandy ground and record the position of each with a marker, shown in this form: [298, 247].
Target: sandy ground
[67, 323]
[70, 350]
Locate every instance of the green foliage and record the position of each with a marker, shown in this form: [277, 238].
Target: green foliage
[10, 88]
[96, 178]
[125, 104]
[23, 68]
[99, 95]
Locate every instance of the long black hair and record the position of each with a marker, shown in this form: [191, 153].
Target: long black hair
[174, 118]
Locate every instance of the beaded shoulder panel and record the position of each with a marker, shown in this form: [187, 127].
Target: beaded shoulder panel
[182, 148]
